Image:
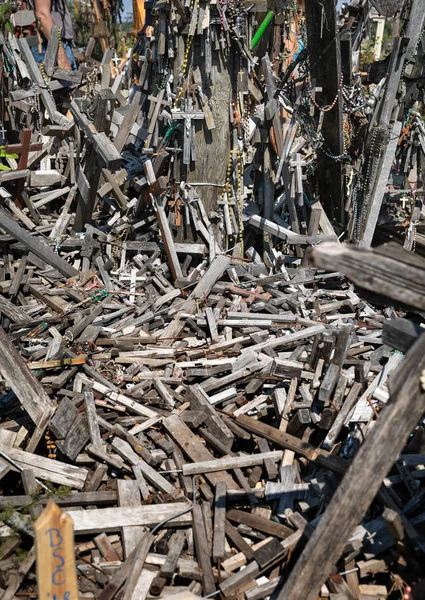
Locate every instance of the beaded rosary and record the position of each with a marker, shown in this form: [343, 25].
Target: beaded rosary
[328, 107]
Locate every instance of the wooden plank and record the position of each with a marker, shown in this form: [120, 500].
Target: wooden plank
[177, 542]
[27, 388]
[194, 449]
[92, 421]
[259, 523]
[202, 553]
[202, 290]
[130, 117]
[316, 455]
[34, 245]
[46, 468]
[388, 271]
[219, 522]
[235, 462]
[129, 496]
[113, 519]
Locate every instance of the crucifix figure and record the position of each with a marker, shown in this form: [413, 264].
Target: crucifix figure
[2, 133]
[23, 149]
[188, 132]
[297, 164]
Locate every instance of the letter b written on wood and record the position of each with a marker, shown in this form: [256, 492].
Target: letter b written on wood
[56, 569]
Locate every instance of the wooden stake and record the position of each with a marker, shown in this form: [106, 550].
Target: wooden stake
[56, 570]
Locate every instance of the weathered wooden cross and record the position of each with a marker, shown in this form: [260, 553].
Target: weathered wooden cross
[297, 164]
[23, 149]
[188, 132]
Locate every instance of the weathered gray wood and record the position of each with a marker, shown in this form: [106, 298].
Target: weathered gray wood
[260, 523]
[203, 288]
[202, 553]
[381, 183]
[35, 245]
[213, 422]
[129, 496]
[219, 522]
[342, 416]
[92, 421]
[156, 479]
[284, 440]
[112, 519]
[12, 312]
[51, 51]
[46, 468]
[363, 479]
[287, 234]
[35, 73]
[176, 546]
[65, 415]
[76, 438]
[129, 119]
[234, 462]
[194, 449]
[390, 271]
[19, 378]
[137, 566]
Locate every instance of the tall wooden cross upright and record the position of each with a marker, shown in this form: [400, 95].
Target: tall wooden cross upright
[23, 149]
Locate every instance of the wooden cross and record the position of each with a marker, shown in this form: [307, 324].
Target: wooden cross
[2, 132]
[404, 201]
[313, 91]
[298, 163]
[133, 280]
[23, 149]
[156, 102]
[188, 132]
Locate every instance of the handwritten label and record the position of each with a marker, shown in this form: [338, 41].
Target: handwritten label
[56, 570]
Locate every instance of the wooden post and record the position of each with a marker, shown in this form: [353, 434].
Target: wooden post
[323, 37]
[56, 570]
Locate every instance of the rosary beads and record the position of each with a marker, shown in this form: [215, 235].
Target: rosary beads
[328, 107]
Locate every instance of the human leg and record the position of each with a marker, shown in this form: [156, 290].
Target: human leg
[67, 45]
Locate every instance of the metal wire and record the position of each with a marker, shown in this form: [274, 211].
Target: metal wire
[183, 512]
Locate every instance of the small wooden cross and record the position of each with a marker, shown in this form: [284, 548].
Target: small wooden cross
[404, 201]
[313, 91]
[156, 100]
[298, 164]
[2, 132]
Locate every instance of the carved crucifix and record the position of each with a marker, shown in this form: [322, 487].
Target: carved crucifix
[188, 132]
